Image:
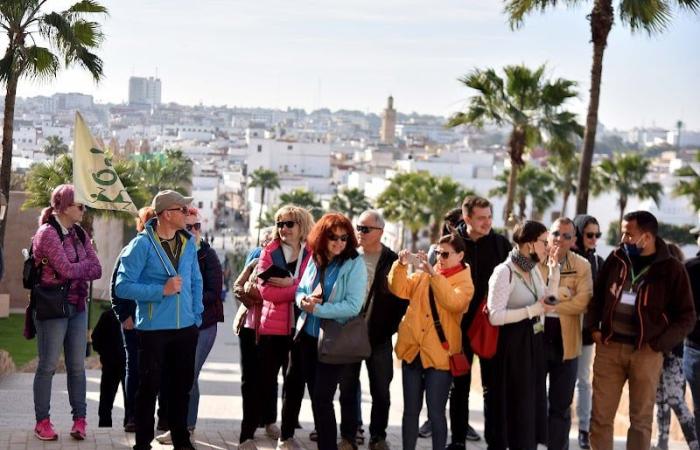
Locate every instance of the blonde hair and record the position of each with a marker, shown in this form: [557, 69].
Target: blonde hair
[300, 215]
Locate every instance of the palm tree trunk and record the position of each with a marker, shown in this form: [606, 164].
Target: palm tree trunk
[565, 202]
[601, 22]
[414, 241]
[262, 200]
[517, 147]
[623, 205]
[7, 132]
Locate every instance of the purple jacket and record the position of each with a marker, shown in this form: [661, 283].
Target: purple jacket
[62, 263]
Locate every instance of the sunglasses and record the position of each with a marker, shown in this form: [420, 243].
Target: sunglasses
[196, 226]
[594, 235]
[335, 237]
[80, 207]
[565, 236]
[444, 255]
[183, 209]
[364, 229]
[286, 223]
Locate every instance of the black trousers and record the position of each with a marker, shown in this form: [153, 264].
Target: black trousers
[328, 376]
[301, 372]
[169, 352]
[562, 382]
[112, 375]
[260, 364]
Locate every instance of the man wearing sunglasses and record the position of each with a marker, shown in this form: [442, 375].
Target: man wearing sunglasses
[159, 271]
[562, 328]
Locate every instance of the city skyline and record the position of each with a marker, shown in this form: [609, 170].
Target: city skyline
[311, 56]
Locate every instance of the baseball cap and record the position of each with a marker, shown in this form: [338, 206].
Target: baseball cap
[167, 199]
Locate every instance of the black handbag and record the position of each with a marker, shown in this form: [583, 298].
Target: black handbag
[50, 302]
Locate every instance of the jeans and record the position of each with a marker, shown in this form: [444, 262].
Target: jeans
[132, 374]
[205, 341]
[327, 378]
[691, 370]
[562, 382]
[436, 384]
[583, 384]
[301, 372]
[380, 368]
[52, 336]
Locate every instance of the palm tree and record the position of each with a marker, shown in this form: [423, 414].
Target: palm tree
[406, 200]
[303, 198]
[168, 170]
[351, 202]
[525, 101]
[626, 174]
[534, 183]
[55, 147]
[70, 38]
[445, 194]
[264, 179]
[564, 171]
[652, 16]
[689, 184]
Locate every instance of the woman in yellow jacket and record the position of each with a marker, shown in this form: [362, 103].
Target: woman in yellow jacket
[426, 363]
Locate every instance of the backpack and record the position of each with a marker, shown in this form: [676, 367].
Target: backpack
[30, 270]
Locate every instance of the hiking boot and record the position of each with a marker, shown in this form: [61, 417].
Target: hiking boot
[78, 431]
[379, 444]
[472, 435]
[44, 430]
[347, 445]
[583, 441]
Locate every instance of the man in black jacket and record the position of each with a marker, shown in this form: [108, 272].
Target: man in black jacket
[485, 250]
[383, 312]
[691, 352]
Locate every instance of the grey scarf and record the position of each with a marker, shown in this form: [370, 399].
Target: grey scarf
[524, 262]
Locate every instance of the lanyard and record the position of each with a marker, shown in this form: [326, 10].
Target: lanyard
[639, 275]
[532, 290]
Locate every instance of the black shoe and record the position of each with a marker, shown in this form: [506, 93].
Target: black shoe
[472, 435]
[313, 436]
[360, 436]
[456, 446]
[583, 441]
[130, 427]
[425, 430]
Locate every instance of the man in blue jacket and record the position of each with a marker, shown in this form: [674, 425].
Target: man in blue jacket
[159, 271]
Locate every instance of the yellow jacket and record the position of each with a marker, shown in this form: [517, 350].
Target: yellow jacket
[417, 332]
[575, 291]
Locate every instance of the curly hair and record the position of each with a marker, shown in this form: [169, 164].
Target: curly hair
[318, 238]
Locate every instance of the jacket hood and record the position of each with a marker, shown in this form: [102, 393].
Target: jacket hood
[580, 223]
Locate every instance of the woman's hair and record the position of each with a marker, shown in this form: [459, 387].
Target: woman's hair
[62, 198]
[675, 251]
[145, 214]
[318, 238]
[454, 241]
[528, 231]
[300, 215]
[452, 217]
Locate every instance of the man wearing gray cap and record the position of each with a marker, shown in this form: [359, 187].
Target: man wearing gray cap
[159, 271]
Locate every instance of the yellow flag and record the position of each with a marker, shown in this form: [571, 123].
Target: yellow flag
[96, 183]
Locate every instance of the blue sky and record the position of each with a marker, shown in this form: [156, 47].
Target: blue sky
[353, 54]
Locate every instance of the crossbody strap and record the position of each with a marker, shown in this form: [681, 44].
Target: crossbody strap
[436, 320]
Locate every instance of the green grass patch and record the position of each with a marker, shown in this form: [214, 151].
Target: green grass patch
[11, 339]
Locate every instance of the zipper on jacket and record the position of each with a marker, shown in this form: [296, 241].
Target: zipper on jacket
[641, 321]
[178, 311]
[150, 311]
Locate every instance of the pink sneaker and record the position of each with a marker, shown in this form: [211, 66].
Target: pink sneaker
[44, 430]
[78, 430]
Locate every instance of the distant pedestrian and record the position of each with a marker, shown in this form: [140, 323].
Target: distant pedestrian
[107, 340]
[66, 257]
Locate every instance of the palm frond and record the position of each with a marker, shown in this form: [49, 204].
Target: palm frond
[652, 16]
[41, 63]
[87, 6]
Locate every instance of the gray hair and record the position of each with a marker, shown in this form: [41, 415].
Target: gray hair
[376, 215]
[563, 221]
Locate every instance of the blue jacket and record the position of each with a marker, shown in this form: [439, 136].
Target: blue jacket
[143, 271]
[348, 293]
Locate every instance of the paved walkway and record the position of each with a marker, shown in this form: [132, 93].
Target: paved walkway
[219, 415]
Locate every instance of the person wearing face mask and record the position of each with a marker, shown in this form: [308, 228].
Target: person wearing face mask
[516, 303]
[642, 306]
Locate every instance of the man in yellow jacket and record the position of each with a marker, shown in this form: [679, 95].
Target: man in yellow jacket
[562, 329]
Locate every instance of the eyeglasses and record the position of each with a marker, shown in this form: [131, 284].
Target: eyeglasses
[335, 237]
[197, 226]
[364, 229]
[444, 255]
[183, 209]
[594, 235]
[286, 223]
[544, 241]
[565, 236]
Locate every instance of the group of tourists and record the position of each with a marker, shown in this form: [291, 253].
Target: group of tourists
[319, 298]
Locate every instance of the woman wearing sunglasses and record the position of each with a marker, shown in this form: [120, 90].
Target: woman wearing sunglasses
[67, 257]
[333, 287]
[587, 236]
[425, 360]
[265, 338]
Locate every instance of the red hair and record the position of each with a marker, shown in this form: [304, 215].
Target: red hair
[318, 238]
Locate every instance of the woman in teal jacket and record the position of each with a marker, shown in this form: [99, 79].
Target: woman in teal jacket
[333, 287]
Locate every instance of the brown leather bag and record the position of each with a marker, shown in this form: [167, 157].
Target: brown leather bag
[245, 290]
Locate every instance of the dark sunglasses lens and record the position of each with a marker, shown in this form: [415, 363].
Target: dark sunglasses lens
[197, 226]
[444, 255]
[593, 235]
[286, 223]
[344, 238]
[362, 229]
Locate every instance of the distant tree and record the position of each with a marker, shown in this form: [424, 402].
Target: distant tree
[303, 198]
[652, 16]
[168, 170]
[70, 39]
[55, 147]
[564, 173]
[266, 180]
[445, 194]
[406, 200]
[627, 175]
[530, 105]
[689, 183]
[351, 202]
[533, 183]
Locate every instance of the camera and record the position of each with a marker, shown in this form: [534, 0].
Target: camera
[551, 300]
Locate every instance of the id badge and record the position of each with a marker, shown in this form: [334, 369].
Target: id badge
[628, 298]
[538, 327]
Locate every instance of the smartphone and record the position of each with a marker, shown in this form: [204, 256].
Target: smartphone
[413, 260]
[551, 300]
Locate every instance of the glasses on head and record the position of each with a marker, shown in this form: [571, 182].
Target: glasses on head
[183, 209]
[79, 206]
[594, 235]
[565, 236]
[444, 255]
[193, 226]
[286, 223]
[364, 229]
[335, 237]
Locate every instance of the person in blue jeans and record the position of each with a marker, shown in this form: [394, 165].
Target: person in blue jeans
[691, 352]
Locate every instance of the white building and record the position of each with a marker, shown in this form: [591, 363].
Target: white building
[289, 157]
[205, 190]
[144, 91]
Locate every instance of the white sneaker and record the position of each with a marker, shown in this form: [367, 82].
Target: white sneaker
[249, 444]
[289, 444]
[165, 438]
[272, 431]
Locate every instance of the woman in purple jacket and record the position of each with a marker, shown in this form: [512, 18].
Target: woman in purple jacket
[67, 255]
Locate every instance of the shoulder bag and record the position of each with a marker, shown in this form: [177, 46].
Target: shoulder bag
[459, 364]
